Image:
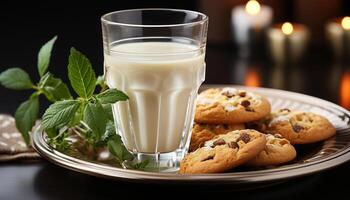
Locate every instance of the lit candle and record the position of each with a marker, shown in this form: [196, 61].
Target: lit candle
[252, 78]
[338, 34]
[344, 90]
[248, 23]
[287, 42]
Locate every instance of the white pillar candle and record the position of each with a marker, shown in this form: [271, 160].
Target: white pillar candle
[338, 34]
[251, 18]
[287, 42]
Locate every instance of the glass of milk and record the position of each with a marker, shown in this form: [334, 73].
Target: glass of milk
[156, 56]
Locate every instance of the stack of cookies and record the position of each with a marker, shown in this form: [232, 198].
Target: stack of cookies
[235, 127]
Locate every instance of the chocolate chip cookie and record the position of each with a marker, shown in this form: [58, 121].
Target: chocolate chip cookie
[230, 106]
[300, 127]
[278, 151]
[224, 152]
[204, 132]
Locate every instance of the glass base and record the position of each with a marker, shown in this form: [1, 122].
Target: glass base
[160, 162]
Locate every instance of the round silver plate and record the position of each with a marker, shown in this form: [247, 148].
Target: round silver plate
[314, 158]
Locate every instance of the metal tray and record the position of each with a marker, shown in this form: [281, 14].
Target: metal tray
[311, 158]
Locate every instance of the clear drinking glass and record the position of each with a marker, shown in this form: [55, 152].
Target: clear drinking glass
[156, 56]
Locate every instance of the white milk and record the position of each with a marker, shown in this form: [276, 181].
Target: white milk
[161, 80]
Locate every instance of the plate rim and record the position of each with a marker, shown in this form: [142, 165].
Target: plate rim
[294, 170]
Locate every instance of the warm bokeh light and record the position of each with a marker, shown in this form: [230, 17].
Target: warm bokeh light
[252, 7]
[345, 23]
[344, 90]
[287, 28]
[252, 78]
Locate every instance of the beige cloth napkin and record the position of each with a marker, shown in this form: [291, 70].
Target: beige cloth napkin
[12, 145]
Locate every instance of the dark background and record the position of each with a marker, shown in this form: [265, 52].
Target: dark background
[26, 25]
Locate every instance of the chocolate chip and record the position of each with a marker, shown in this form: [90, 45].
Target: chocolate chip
[245, 103]
[219, 142]
[242, 94]
[297, 128]
[208, 158]
[244, 137]
[228, 94]
[233, 145]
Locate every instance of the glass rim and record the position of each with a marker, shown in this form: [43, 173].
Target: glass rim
[104, 20]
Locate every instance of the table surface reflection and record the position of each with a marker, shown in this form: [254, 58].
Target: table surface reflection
[317, 75]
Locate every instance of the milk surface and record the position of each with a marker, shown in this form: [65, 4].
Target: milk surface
[161, 80]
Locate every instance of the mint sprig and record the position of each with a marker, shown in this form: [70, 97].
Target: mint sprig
[26, 115]
[53, 88]
[96, 119]
[88, 108]
[81, 75]
[60, 114]
[111, 95]
[88, 116]
[44, 56]
[16, 79]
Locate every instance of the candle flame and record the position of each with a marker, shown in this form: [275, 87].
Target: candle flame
[252, 7]
[287, 28]
[345, 23]
[344, 90]
[252, 78]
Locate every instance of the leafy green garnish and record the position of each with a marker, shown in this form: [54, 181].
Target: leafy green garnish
[44, 56]
[60, 113]
[26, 115]
[141, 165]
[116, 147]
[111, 96]
[96, 119]
[53, 88]
[16, 79]
[88, 116]
[108, 110]
[81, 75]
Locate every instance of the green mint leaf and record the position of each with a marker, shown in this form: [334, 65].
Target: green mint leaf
[15, 78]
[109, 133]
[53, 88]
[108, 111]
[81, 74]
[26, 115]
[78, 116]
[44, 56]
[60, 113]
[112, 96]
[141, 165]
[96, 119]
[52, 132]
[117, 148]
